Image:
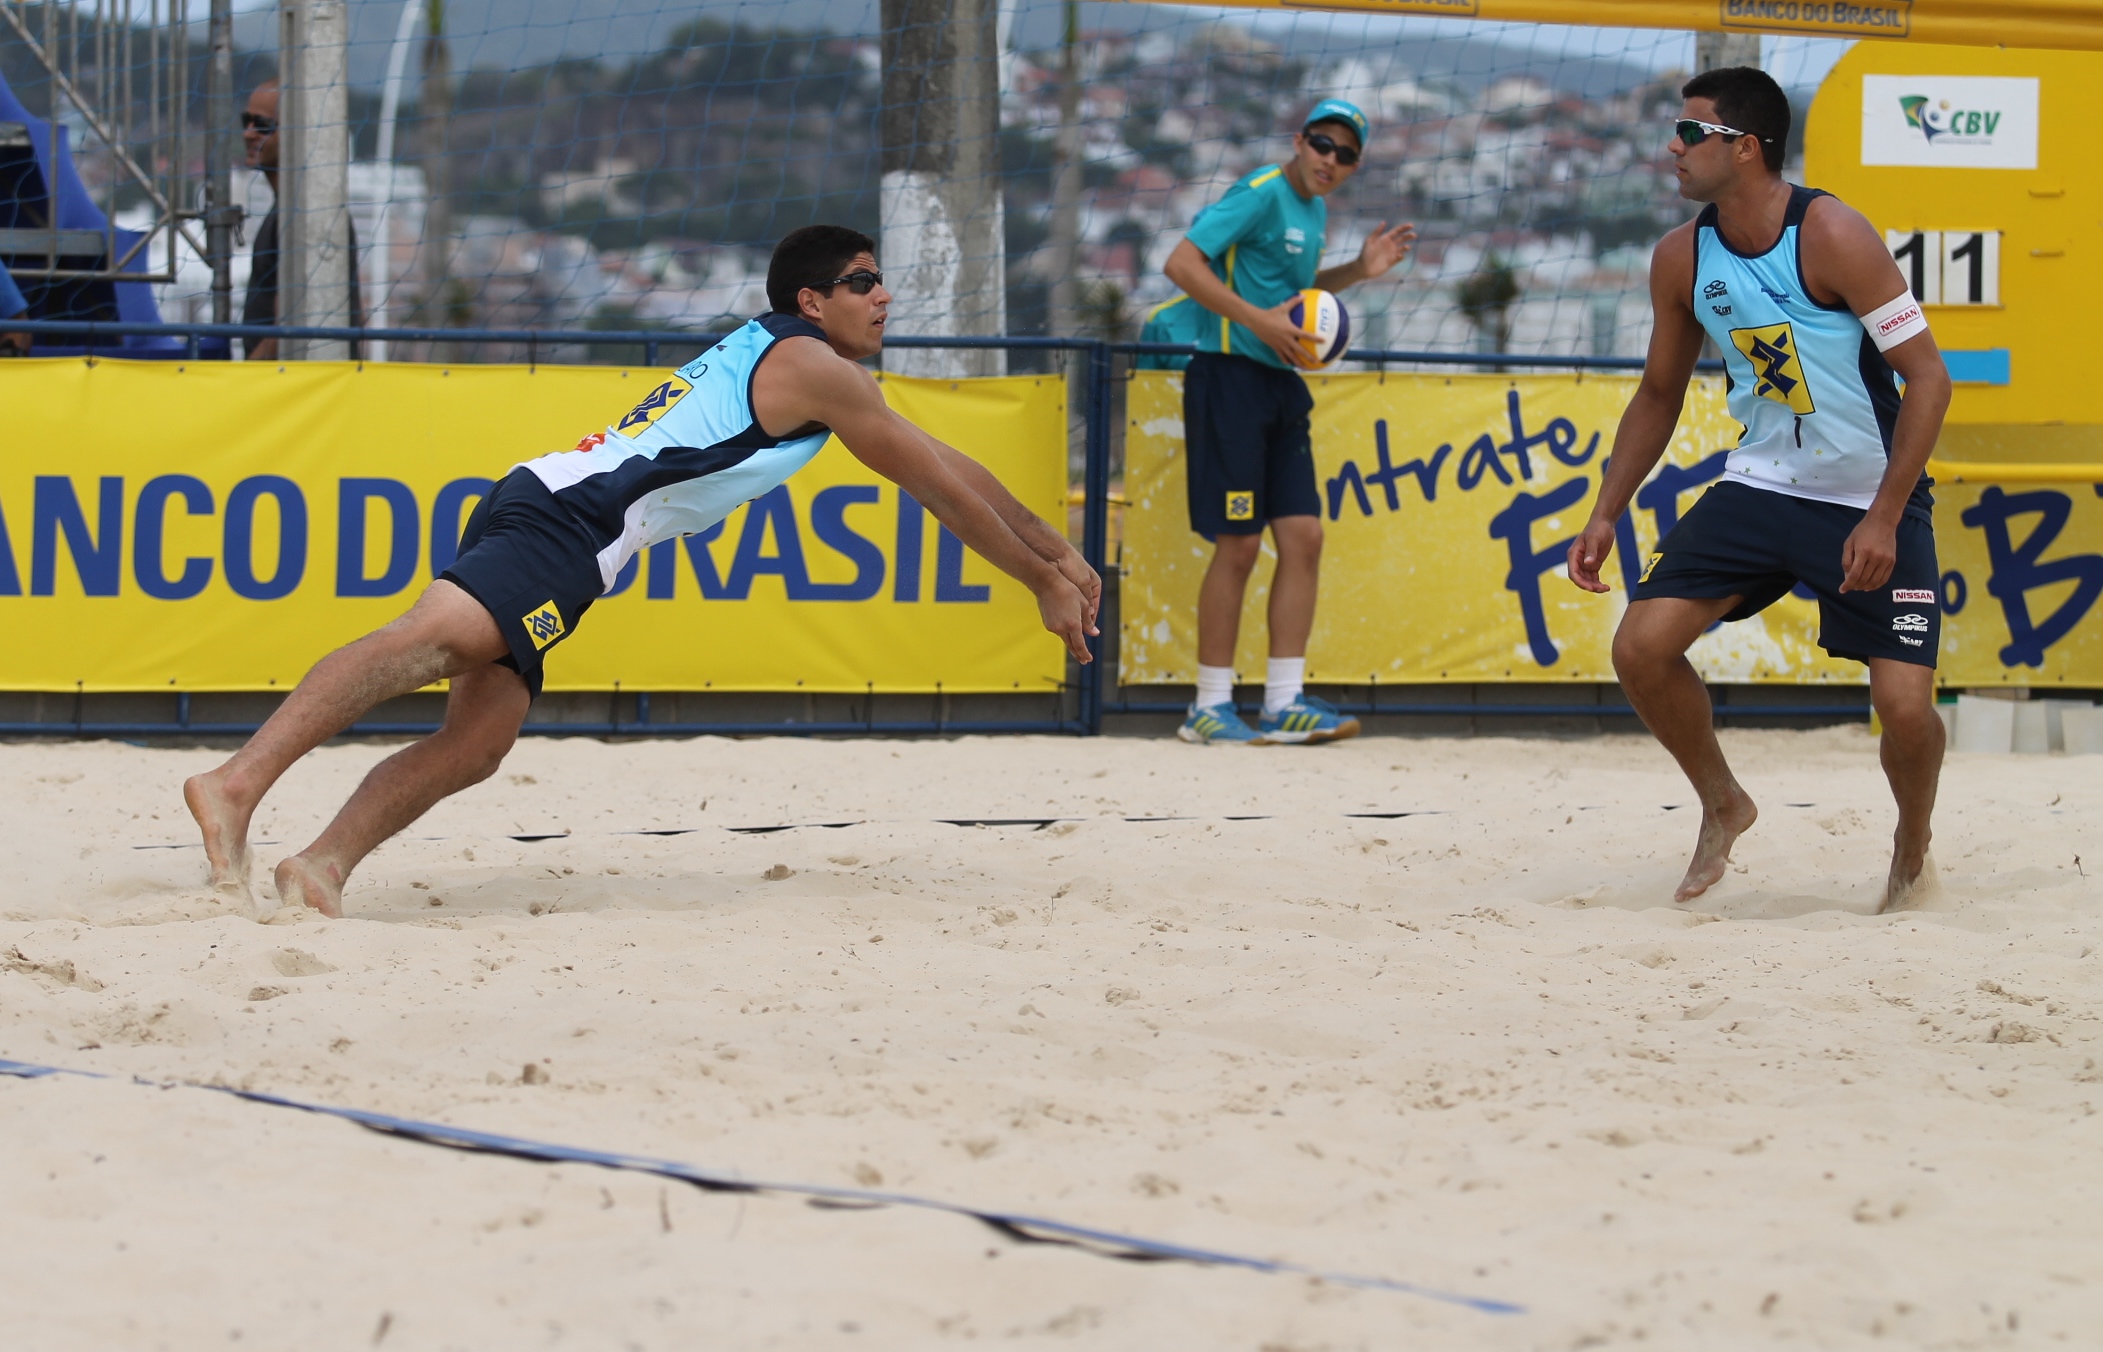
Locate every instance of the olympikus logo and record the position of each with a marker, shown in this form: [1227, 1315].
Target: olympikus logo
[1916, 594]
[1916, 624]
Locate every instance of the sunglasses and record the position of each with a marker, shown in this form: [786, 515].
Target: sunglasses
[1693, 131]
[257, 122]
[1321, 144]
[860, 283]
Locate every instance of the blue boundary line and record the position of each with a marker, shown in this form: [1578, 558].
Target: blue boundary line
[1015, 1225]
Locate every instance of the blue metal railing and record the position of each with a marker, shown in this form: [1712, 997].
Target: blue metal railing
[1099, 364]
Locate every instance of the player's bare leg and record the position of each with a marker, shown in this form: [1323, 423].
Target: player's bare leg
[446, 633]
[1650, 657]
[482, 717]
[1293, 586]
[1220, 596]
[1911, 750]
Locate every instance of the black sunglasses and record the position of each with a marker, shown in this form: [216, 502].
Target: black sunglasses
[257, 122]
[1324, 145]
[1693, 131]
[860, 283]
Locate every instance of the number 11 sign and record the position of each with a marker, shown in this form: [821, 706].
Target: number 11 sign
[1949, 267]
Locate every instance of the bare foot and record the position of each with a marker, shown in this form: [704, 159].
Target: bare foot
[1912, 873]
[225, 829]
[1720, 829]
[301, 882]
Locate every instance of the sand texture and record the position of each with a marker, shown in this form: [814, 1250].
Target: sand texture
[1473, 1048]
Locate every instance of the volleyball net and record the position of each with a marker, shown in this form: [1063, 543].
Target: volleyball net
[577, 164]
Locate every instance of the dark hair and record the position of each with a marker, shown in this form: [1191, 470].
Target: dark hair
[1747, 98]
[809, 256]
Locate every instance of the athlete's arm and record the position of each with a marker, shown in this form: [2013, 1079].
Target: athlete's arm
[1376, 257]
[1189, 269]
[804, 382]
[1647, 422]
[1033, 530]
[1845, 260]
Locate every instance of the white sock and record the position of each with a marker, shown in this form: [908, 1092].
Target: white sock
[1215, 686]
[1284, 681]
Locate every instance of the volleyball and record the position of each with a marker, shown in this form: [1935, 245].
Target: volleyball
[1324, 324]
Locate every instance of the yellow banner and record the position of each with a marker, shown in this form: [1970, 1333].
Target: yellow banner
[1450, 503]
[1984, 23]
[206, 526]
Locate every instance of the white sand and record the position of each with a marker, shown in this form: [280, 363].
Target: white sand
[1473, 1050]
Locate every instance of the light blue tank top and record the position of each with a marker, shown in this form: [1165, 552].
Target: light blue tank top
[1817, 400]
[685, 457]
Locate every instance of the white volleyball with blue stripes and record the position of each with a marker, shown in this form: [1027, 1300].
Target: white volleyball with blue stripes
[1324, 324]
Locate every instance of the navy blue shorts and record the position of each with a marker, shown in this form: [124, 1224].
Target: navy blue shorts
[533, 566]
[1248, 454]
[1758, 544]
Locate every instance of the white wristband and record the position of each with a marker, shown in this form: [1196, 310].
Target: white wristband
[1893, 323]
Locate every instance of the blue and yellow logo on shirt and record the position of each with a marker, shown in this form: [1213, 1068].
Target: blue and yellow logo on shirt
[1777, 373]
[543, 625]
[653, 406]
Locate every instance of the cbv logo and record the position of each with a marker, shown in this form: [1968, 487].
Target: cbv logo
[1935, 117]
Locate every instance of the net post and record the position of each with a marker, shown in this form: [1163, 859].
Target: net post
[1095, 517]
[314, 268]
[221, 216]
[940, 201]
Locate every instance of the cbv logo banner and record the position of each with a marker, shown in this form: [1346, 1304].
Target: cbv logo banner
[221, 527]
[1450, 502]
[1950, 121]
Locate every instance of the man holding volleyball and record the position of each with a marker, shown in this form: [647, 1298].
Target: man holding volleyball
[1246, 260]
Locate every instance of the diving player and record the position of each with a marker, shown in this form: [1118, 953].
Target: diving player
[1825, 487]
[554, 534]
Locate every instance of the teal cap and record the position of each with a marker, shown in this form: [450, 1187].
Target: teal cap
[1340, 110]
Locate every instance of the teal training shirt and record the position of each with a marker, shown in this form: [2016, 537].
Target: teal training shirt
[1180, 320]
[1265, 241]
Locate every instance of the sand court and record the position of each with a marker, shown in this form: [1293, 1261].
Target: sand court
[1465, 1043]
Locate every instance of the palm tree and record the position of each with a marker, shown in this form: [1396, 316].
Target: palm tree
[1486, 297]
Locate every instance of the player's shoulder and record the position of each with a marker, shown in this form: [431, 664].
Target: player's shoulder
[804, 361]
[1261, 183]
[1825, 214]
[807, 353]
[1676, 247]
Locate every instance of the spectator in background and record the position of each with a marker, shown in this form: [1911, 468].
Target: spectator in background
[1245, 415]
[259, 137]
[12, 306]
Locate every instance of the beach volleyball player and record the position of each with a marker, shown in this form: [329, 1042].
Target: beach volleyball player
[553, 535]
[1825, 487]
[1242, 267]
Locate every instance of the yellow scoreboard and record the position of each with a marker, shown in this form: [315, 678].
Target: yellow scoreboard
[1979, 166]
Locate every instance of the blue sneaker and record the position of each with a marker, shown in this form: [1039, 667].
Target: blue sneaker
[1218, 725]
[1307, 720]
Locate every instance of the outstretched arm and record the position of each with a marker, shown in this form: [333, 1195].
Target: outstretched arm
[1033, 530]
[804, 382]
[1647, 422]
[1846, 258]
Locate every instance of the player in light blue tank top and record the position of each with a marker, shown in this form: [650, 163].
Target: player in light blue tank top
[550, 538]
[1825, 489]
[1817, 399]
